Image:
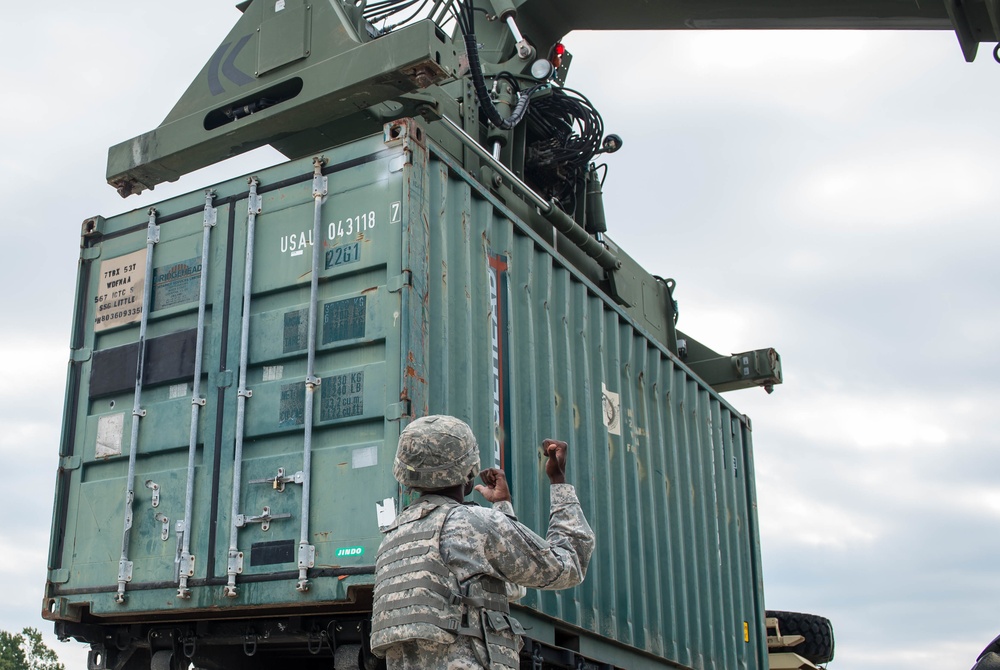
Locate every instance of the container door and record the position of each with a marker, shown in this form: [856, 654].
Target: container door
[306, 477]
[141, 415]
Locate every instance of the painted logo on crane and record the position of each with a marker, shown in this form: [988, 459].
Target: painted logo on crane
[226, 65]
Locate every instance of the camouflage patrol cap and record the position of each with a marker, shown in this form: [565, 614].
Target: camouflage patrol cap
[436, 452]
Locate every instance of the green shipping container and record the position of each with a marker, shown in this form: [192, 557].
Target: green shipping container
[242, 364]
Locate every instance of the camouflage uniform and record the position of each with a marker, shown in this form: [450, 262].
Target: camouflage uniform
[446, 570]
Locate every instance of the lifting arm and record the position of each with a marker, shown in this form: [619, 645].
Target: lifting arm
[300, 75]
[973, 21]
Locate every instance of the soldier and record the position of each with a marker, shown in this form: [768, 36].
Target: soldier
[446, 569]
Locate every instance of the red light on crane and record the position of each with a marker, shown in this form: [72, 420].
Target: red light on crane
[558, 51]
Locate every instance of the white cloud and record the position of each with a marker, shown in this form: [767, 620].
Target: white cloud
[898, 186]
[32, 366]
[797, 516]
[865, 423]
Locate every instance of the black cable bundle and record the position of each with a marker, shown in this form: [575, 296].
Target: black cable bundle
[467, 24]
[569, 133]
[384, 9]
[464, 14]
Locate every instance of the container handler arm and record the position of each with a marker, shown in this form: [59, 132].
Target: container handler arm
[973, 21]
[302, 77]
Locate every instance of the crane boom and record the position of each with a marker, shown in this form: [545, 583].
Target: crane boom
[973, 21]
[303, 76]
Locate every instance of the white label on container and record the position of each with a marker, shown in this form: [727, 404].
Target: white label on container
[279, 5]
[109, 435]
[178, 391]
[273, 373]
[611, 410]
[364, 457]
[386, 512]
[119, 291]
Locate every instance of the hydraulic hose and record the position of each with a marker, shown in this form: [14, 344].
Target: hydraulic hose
[483, 94]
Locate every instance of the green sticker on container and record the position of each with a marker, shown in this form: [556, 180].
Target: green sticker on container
[346, 552]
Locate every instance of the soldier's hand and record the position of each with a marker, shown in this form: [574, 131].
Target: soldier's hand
[555, 466]
[494, 487]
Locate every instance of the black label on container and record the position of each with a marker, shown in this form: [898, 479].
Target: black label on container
[344, 319]
[168, 359]
[342, 396]
[296, 333]
[292, 409]
[272, 553]
[343, 254]
[176, 284]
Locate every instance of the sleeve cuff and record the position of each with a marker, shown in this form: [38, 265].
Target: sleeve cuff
[563, 494]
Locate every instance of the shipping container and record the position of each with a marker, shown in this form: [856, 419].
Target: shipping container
[243, 360]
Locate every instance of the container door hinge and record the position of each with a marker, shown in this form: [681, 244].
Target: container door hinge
[397, 411]
[397, 283]
[264, 519]
[60, 576]
[225, 379]
[70, 463]
[397, 163]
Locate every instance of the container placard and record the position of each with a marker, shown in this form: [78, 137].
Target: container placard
[292, 407]
[296, 332]
[176, 284]
[119, 292]
[342, 396]
[344, 320]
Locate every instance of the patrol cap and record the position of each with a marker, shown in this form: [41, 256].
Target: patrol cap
[436, 452]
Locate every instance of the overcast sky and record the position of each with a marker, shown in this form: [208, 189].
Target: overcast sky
[833, 195]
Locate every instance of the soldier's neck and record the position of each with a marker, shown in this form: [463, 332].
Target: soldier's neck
[456, 493]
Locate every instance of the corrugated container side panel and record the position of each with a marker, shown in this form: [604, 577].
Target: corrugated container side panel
[752, 571]
[662, 497]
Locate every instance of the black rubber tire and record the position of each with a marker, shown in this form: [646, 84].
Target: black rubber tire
[817, 630]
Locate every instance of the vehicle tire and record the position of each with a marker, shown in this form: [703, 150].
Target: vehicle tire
[817, 631]
[162, 660]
